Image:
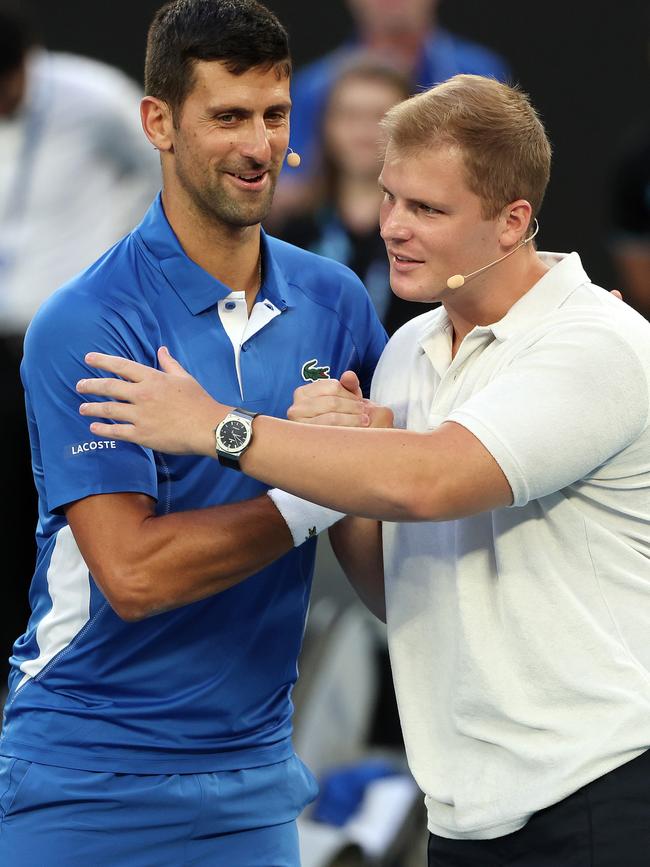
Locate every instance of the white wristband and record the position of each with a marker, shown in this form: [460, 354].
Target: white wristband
[304, 519]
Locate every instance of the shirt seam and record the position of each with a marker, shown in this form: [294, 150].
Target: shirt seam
[38, 677]
[620, 638]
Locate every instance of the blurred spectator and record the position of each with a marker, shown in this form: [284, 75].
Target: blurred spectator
[75, 169]
[404, 33]
[75, 174]
[631, 223]
[343, 220]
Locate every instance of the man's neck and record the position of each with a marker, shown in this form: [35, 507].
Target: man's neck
[486, 302]
[230, 254]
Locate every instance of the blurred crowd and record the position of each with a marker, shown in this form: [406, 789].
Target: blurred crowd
[76, 173]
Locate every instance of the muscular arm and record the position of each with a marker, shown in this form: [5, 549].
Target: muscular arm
[146, 564]
[392, 475]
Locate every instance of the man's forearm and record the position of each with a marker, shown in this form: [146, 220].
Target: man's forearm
[196, 554]
[146, 564]
[357, 543]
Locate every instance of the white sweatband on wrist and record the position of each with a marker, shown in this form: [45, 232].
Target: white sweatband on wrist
[304, 519]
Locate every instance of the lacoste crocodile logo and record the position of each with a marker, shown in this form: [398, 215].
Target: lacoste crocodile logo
[311, 371]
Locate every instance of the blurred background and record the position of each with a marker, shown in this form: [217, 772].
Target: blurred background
[586, 66]
[584, 63]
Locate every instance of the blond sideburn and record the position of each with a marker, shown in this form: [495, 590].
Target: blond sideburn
[505, 149]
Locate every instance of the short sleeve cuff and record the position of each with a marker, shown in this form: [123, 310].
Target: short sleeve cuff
[501, 454]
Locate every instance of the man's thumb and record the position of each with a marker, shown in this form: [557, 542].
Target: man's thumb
[350, 381]
[167, 363]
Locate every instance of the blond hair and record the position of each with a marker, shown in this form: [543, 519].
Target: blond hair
[505, 150]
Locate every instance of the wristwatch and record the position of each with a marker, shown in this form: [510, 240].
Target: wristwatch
[233, 436]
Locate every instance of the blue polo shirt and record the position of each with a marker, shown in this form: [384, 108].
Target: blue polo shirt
[205, 687]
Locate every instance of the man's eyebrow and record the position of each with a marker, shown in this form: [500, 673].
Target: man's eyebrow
[280, 106]
[429, 203]
[232, 108]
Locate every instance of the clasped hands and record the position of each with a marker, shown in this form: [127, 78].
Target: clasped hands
[337, 402]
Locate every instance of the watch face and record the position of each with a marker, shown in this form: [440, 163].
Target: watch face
[233, 435]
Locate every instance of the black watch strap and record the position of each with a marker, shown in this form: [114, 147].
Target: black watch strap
[231, 463]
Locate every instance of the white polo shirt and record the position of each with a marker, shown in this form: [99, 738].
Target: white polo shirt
[520, 638]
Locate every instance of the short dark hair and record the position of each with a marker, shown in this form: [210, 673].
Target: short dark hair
[243, 34]
[16, 35]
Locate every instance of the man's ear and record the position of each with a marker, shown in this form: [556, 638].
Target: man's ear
[517, 223]
[157, 123]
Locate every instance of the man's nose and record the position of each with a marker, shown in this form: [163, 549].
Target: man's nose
[395, 225]
[256, 145]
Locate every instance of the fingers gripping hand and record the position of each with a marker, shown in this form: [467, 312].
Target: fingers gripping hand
[160, 409]
[378, 416]
[330, 402]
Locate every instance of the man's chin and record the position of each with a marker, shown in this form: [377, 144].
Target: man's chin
[252, 219]
[409, 291]
[242, 214]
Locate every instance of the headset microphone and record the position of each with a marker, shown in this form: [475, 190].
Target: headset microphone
[293, 159]
[458, 280]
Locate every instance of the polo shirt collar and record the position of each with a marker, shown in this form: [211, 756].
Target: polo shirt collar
[564, 276]
[197, 289]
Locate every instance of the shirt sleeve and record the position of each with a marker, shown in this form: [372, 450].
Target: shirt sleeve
[75, 463]
[562, 408]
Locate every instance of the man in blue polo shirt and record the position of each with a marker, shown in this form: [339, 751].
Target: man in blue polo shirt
[149, 716]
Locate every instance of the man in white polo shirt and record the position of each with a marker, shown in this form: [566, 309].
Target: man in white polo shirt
[509, 511]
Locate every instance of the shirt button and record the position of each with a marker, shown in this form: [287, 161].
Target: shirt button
[244, 347]
[230, 305]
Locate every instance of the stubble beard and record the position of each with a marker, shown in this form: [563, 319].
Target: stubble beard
[218, 205]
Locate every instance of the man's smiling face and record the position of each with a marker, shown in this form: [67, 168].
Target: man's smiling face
[432, 223]
[229, 143]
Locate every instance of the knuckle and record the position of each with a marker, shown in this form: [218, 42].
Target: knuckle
[332, 404]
